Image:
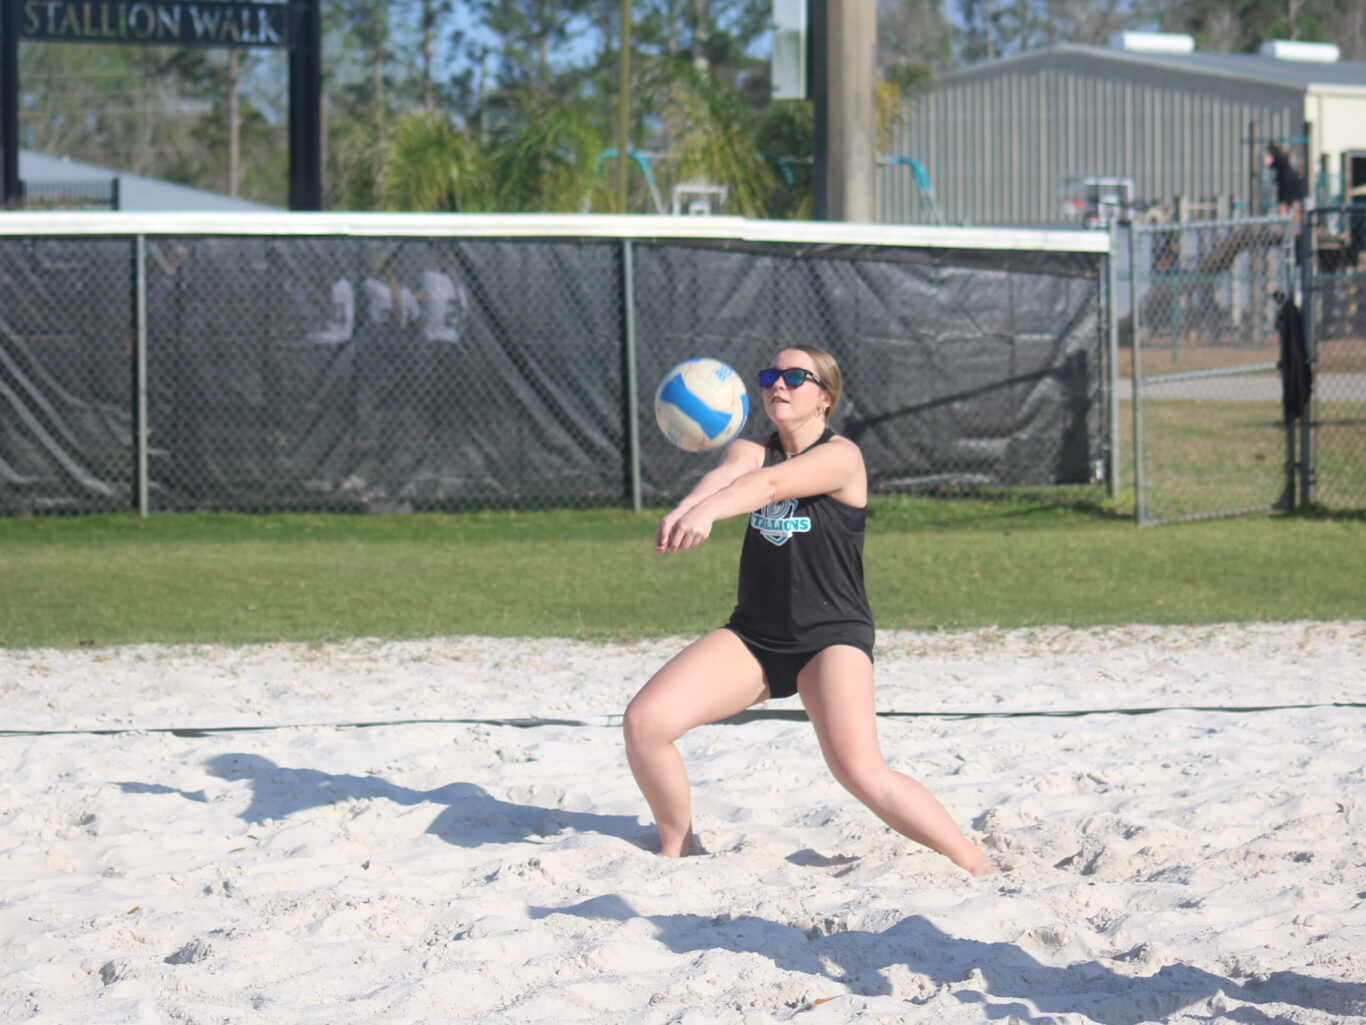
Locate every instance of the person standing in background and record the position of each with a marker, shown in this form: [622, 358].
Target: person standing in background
[1290, 187]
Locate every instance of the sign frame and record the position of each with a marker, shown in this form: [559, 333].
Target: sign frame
[294, 25]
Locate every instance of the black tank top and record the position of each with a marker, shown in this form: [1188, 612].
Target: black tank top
[801, 573]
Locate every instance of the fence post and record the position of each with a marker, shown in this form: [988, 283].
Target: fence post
[1310, 320]
[628, 301]
[1112, 357]
[1135, 353]
[1295, 248]
[140, 371]
[1178, 300]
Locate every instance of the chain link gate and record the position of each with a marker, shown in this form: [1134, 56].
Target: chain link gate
[1209, 434]
[1335, 337]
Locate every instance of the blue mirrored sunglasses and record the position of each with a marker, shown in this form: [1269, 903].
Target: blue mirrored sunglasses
[793, 377]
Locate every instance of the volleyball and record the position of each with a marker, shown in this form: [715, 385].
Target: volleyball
[701, 404]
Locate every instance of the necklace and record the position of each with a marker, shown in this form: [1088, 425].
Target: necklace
[794, 453]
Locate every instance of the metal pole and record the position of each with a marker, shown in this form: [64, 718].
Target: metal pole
[1310, 320]
[140, 372]
[628, 299]
[305, 107]
[624, 105]
[1140, 510]
[12, 187]
[818, 82]
[1287, 500]
[1112, 359]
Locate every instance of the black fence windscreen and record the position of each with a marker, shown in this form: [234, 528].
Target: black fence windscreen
[957, 373]
[345, 373]
[66, 382]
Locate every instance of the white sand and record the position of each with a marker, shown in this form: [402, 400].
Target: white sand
[1181, 866]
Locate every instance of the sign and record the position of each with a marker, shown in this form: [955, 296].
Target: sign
[157, 21]
[788, 64]
[294, 25]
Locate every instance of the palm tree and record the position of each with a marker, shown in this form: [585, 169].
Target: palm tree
[786, 136]
[544, 160]
[432, 167]
[712, 134]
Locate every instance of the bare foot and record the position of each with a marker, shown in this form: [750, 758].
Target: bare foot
[981, 865]
[688, 848]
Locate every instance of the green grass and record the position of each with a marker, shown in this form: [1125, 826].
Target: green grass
[1210, 457]
[103, 580]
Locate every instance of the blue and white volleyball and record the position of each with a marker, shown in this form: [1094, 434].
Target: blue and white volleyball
[701, 404]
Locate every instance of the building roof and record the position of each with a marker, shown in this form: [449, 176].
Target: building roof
[136, 192]
[1250, 66]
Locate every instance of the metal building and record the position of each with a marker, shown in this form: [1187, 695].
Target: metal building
[58, 183]
[1014, 141]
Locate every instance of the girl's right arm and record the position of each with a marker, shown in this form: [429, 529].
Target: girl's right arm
[742, 456]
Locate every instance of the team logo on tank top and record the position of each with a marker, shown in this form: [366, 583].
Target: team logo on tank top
[776, 522]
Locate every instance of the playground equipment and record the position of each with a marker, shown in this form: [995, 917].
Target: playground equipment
[922, 182]
[643, 159]
[698, 199]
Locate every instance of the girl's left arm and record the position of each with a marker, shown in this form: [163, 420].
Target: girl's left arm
[835, 469]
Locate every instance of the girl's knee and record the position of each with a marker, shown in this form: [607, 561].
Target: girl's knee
[865, 778]
[644, 725]
[635, 723]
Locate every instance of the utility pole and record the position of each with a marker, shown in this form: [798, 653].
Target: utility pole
[624, 105]
[234, 121]
[842, 41]
[818, 79]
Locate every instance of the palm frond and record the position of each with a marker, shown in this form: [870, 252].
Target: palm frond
[432, 167]
[547, 162]
[712, 136]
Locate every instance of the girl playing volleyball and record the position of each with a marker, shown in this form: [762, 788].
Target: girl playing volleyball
[802, 624]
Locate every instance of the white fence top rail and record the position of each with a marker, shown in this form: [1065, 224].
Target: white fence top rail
[613, 226]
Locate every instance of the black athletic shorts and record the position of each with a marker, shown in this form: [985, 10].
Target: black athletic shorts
[781, 667]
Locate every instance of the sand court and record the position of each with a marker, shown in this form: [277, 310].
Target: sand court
[446, 830]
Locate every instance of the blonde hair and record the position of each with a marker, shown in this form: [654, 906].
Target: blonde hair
[828, 371]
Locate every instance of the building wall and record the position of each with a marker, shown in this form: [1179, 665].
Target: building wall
[1003, 143]
[1338, 119]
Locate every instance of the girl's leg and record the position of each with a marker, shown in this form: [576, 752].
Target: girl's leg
[837, 689]
[712, 678]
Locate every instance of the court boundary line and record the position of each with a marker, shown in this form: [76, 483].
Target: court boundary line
[609, 721]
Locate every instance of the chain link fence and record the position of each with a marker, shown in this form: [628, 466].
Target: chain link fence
[1335, 307]
[1210, 435]
[383, 373]
[67, 389]
[420, 369]
[965, 372]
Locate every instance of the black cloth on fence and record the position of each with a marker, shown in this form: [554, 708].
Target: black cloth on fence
[1297, 378]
